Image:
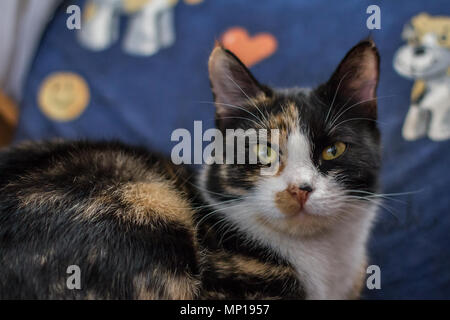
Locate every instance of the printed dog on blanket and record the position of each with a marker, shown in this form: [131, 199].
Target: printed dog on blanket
[426, 59]
[150, 27]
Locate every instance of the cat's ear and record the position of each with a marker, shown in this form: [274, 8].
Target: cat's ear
[232, 84]
[356, 78]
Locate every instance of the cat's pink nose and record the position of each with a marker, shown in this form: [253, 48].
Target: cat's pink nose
[300, 193]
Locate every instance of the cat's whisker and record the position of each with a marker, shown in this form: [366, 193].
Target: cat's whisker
[392, 194]
[243, 118]
[377, 202]
[225, 229]
[249, 99]
[211, 192]
[221, 220]
[216, 204]
[336, 118]
[230, 228]
[316, 97]
[233, 197]
[353, 119]
[209, 214]
[236, 107]
[335, 95]
[248, 197]
[345, 105]
[340, 114]
[387, 196]
[221, 209]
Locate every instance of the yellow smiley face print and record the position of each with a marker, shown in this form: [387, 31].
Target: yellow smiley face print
[63, 96]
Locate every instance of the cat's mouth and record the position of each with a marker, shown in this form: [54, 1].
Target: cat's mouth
[299, 224]
[296, 217]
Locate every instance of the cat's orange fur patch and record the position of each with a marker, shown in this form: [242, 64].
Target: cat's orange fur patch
[170, 286]
[286, 121]
[228, 263]
[157, 200]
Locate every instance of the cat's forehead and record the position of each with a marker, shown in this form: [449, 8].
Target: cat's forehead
[292, 109]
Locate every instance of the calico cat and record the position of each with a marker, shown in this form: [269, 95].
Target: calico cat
[140, 227]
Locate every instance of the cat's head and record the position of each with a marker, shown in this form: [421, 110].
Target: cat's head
[328, 146]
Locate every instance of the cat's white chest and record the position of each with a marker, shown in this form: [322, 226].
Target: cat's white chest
[327, 272]
[328, 267]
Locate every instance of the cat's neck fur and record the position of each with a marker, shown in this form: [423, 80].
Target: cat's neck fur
[326, 263]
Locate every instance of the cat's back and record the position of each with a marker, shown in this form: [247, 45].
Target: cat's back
[118, 213]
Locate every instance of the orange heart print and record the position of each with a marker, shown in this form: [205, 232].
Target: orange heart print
[250, 49]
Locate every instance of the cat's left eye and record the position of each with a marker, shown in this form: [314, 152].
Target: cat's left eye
[265, 153]
[333, 151]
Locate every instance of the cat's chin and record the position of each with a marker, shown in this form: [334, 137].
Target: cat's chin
[301, 224]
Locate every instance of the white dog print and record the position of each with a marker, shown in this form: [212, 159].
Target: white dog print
[150, 28]
[426, 59]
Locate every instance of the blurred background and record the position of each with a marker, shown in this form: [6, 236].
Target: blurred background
[135, 70]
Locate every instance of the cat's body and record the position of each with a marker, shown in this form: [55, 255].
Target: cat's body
[140, 227]
[127, 218]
